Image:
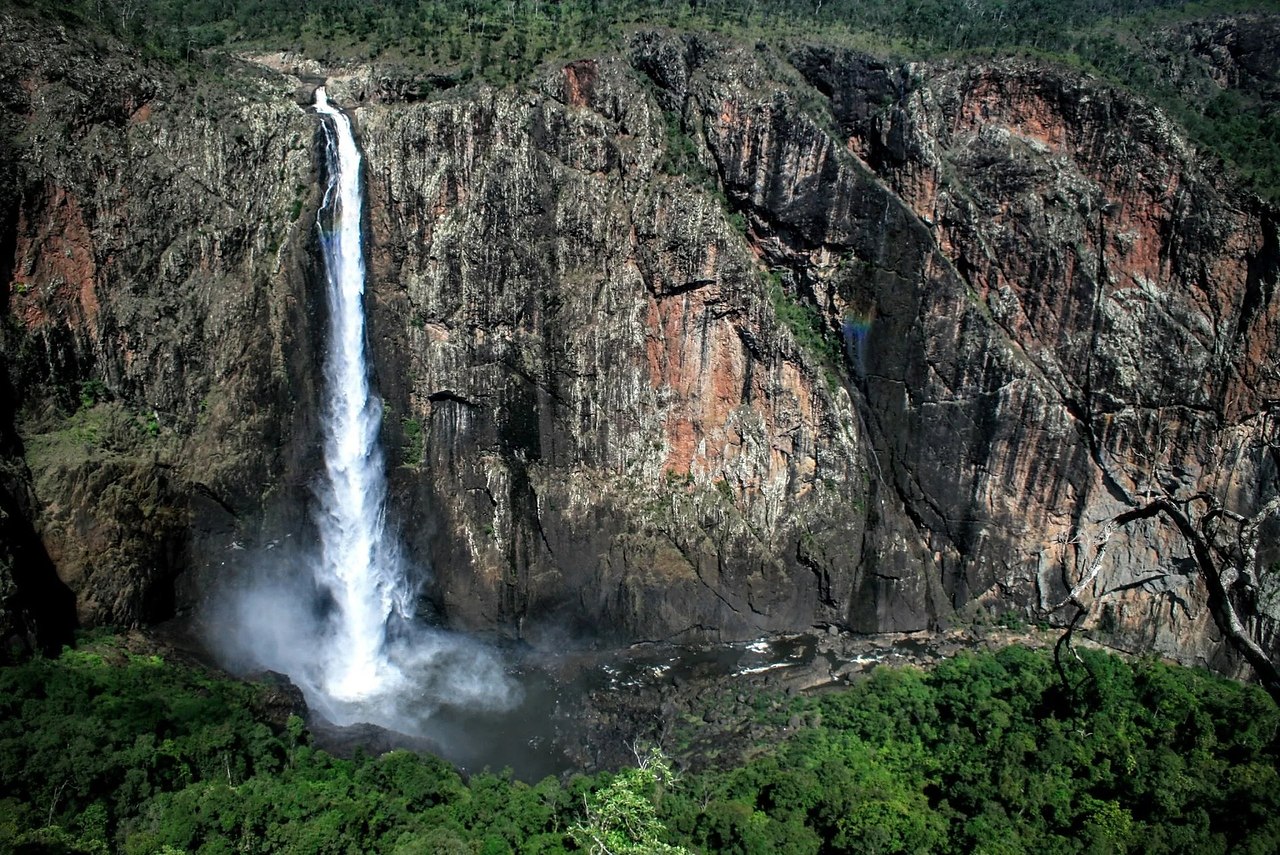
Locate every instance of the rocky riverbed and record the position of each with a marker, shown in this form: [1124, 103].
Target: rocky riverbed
[713, 704]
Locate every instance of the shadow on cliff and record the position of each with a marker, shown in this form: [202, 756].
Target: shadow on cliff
[44, 607]
[41, 609]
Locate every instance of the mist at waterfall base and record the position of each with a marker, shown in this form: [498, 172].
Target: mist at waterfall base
[337, 616]
[279, 620]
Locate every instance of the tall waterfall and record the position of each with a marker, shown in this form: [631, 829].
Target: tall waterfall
[360, 563]
[336, 614]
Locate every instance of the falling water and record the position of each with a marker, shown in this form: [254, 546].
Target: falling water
[338, 620]
[360, 564]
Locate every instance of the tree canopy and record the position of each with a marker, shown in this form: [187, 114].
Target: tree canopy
[105, 750]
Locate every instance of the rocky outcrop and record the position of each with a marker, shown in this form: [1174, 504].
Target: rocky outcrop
[694, 341]
[1232, 52]
[1097, 326]
[156, 332]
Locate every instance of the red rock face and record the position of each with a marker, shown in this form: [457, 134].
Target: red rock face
[54, 267]
[579, 79]
[667, 351]
[1123, 252]
[713, 379]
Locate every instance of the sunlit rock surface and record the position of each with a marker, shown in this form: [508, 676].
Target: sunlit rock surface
[609, 413]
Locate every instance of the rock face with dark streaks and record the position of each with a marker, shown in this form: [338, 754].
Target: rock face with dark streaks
[695, 341]
[155, 336]
[617, 434]
[1096, 326]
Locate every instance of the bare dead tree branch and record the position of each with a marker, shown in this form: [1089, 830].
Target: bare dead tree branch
[1219, 598]
[1065, 645]
[1210, 565]
[1095, 567]
[1222, 559]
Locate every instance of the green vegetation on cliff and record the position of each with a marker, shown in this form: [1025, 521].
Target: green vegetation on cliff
[1135, 43]
[109, 750]
[456, 30]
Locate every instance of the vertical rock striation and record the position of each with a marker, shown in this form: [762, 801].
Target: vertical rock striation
[618, 436]
[1098, 326]
[693, 341]
[156, 329]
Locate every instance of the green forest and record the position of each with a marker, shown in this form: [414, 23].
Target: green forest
[106, 750]
[1127, 42]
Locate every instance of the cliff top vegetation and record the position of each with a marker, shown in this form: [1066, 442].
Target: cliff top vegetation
[1165, 50]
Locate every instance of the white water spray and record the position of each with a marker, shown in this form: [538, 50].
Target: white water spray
[360, 564]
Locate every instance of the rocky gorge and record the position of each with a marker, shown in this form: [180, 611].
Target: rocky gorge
[695, 341]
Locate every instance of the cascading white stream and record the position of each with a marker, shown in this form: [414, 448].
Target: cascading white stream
[355, 651]
[360, 562]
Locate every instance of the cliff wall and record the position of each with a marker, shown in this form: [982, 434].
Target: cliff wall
[617, 435]
[156, 331]
[694, 341]
[1097, 326]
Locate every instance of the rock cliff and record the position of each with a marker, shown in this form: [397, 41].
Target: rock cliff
[156, 336]
[697, 340]
[617, 435]
[1096, 324]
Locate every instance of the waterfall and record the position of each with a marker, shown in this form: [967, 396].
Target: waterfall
[360, 564]
[337, 614]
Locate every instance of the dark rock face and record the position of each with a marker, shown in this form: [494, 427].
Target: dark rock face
[619, 437]
[694, 342]
[1097, 324]
[153, 289]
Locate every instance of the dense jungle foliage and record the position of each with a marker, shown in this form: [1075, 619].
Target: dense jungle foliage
[103, 750]
[1132, 43]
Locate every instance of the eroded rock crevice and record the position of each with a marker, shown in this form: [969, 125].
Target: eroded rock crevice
[696, 340]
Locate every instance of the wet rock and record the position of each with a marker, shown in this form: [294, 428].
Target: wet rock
[608, 415]
[280, 699]
[367, 739]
